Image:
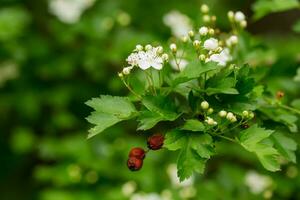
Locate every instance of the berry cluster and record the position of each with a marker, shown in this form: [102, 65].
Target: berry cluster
[137, 154]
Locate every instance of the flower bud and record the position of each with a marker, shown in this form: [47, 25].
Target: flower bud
[204, 8]
[137, 152]
[251, 115]
[206, 18]
[203, 30]
[196, 43]
[160, 49]
[148, 47]
[211, 31]
[165, 57]
[204, 105]
[230, 15]
[120, 75]
[230, 116]
[134, 164]
[243, 24]
[155, 142]
[222, 113]
[126, 70]
[239, 16]
[202, 57]
[213, 18]
[210, 121]
[173, 47]
[210, 111]
[191, 34]
[184, 39]
[139, 47]
[245, 114]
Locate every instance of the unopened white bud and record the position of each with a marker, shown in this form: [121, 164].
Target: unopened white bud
[206, 18]
[165, 57]
[233, 119]
[184, 39]
[230, 15]
[202, 57]
[148, 47]
[160, 49]
[243, 24]
[120, 75]
[203, 30]
[126, 70]
[210, 121]
[230, 116]
[211, 31]
[204, 8]
[210, 111]
[245, 113]
[213, 18]
[139, 47]
[191, 33]
[232, 40]
[196, 43]
[173, 47]
[251, 115]
[204, 105]
[222, 113]
[239, 16]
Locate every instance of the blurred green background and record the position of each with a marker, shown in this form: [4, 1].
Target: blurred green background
[55, 55]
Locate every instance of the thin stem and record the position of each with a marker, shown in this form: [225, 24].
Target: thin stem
[130, 89]
[289, 108]
[151, 84]
[226, 138]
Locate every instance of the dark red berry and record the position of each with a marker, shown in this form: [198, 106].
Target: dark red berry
[279, 95]
[137, 152]
[134, 164]
[155, 142]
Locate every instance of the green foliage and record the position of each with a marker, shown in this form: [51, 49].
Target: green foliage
[265, 7]
[285, 146]
[195, 149]
[254, 140]
[109, 111]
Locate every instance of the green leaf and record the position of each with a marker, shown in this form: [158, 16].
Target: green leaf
[195, 150]
[254, 139]
[286, 146]
[296, 27]
[297, 77]
[109, 111]
[193, 125]
[194, 70]
[223, 86]
[262, 8]
[160, 108]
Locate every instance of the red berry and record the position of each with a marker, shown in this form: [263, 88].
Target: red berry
[137, 152]
[134, 164]
[155, 142]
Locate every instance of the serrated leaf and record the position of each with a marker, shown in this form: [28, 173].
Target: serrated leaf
[262, 8]
[297, 77]
[222, 86]
[253, 140]
[109, 110]
[194, 148]
[193, 125]
[286, 146]
[160, 108]
[296, 28]
[194, 70]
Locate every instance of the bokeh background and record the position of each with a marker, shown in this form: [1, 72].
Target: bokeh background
[56, 55]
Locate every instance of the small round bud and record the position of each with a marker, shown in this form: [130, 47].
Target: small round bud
[204, 8]
[230, 15]
[239, 16]
[210, 121]
[184, 39]
[243, 24]
[203, 30]
[155, 142]
[160, 49]
[126, 70]
[213, 18]
[148, 47]
[251, 115]
[139, 47]
[210, 111]
[165, 57]
[196, 43]
[137, 152]
[211, 31]
[232, 40]
[222, 113]
[230, 116]
[206, 18]
[204, 105]
[134, 164]
[120, 74]
[202, 57]
[245, 113]
[233, 119]
[173, 47]
[191, 34]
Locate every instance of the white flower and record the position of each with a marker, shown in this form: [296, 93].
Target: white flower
[69, 11]
[203, 30]
[182, 63]
[211, 44]
[128, 188]
[179, 23]
[146, 59]
[257, 183]
[239, 16]
[173, 47]
[221, 58]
